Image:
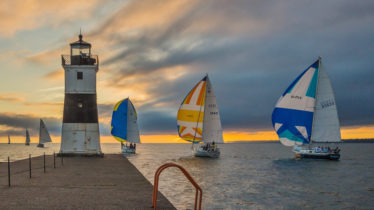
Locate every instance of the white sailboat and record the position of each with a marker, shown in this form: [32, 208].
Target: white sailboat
[43, 134]
[124, 126]
[199, 120]
[306, 117]
[27, 142]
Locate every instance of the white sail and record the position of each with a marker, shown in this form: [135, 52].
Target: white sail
[27, 136]
[326, 126]
[43, 133]
[212, 129]
[132, 125]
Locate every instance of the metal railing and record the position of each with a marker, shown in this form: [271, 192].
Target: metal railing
[30, 168]
[67, 60]
[188, 176]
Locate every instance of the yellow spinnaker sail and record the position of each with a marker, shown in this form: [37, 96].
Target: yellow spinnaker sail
[191, 113]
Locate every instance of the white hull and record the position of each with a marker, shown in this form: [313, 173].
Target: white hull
[316, 153]
[128, 150]
[200, 152]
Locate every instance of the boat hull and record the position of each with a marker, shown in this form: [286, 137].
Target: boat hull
[324, 156]
[207, 153]
[27, 144]
[313, 153]
[40, 145]
[128, 150]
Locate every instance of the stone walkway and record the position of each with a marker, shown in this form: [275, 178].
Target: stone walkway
[111, 182]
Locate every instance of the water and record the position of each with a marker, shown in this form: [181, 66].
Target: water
[250, 175]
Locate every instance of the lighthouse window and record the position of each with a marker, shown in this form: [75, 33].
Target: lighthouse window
[80, 75]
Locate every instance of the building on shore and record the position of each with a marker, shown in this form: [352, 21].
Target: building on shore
[80, 127]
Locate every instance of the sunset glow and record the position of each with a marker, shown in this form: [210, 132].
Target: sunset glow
[229, 137]
[154, 52]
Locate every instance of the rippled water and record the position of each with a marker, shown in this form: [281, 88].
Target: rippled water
[250, 175]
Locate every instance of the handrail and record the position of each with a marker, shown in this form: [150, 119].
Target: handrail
[188, 176]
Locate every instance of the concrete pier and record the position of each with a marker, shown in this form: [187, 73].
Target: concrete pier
[111, 182]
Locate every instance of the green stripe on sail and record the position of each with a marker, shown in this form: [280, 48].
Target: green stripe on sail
[313, 85]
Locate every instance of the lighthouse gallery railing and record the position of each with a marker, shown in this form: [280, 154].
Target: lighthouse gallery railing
[68, 60]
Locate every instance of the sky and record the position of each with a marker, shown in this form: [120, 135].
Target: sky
[155, 51]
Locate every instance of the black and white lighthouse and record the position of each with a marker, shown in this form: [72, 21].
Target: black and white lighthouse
[80, 128]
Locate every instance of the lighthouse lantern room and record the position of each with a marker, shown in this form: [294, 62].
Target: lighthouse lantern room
[80, 127]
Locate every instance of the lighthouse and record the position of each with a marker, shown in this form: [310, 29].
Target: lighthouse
[80, 125]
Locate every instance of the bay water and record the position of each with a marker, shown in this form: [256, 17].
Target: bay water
[250, 175]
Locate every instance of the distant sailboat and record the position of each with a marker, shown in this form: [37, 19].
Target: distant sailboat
[124, 125]
[8, 139]
[27, 138]
[43, 134]
[199, 120]
[306, 117]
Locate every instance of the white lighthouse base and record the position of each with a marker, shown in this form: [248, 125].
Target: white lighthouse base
[80, 139]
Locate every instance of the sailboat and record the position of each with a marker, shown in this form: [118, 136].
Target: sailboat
[27, 143]
[8, 139]
[306, 117]
[43, 135]
[199, 120]
[124, 126]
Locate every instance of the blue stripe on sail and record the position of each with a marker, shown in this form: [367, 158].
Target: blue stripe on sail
[119, 121]
[290, 118]
[289, 89]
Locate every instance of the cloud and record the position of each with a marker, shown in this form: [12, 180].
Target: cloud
[20, 15]
[252, 50]
[17, 123]
[11, 97]
[156, 51]
[55, 75]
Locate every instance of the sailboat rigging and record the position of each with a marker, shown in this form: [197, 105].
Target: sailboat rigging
[306, 117]
[44, 136]
[199, 121]
[124, 126]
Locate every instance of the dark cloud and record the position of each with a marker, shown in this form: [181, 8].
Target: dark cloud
[18, 123]
[156, 122]
[252, 51]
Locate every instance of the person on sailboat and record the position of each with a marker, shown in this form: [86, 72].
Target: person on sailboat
[134, 146]
[213, 146]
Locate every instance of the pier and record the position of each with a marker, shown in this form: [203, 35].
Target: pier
[111, 182]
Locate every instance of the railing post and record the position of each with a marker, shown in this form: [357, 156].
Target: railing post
[8, 171]
[30, 165]
[44, 162]
[188, 176]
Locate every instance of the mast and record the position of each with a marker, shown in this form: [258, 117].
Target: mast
[40, 131]
[127, 119]
[315, 99]
[198, 117]
[325, 119]
[27, 136]
[197, 122]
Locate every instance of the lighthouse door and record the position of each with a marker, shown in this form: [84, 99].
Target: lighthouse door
[79, 143]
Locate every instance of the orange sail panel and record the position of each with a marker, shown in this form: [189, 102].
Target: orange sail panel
[191, 113]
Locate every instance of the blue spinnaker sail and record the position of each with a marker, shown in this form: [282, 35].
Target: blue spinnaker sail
[119, 120]
[292, 117]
